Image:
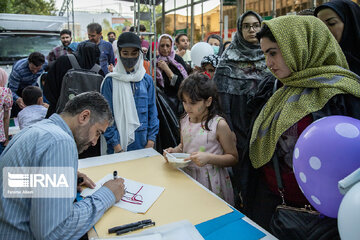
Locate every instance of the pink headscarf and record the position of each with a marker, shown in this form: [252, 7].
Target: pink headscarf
[168, 59]
[3, 77]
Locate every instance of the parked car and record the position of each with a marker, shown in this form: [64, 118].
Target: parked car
[22, 34]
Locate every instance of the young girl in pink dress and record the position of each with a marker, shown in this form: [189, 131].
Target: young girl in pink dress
[206, 136]
[5, 107]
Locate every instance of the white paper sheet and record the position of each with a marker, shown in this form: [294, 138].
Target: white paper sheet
[138, 198]
[117, 157]
[155, 236]
[173, 231]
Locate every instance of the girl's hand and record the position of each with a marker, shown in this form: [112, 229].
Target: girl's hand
[169, 150]
[200, 158]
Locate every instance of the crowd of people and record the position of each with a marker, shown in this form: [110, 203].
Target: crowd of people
[247, 104]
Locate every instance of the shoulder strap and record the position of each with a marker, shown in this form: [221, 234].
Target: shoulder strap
[277, 172]
[96, 68]
[73, 61]
[275, 161]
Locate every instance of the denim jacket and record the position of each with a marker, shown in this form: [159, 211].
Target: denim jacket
[144, 95]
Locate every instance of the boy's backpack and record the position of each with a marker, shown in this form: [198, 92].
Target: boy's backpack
[78, 80]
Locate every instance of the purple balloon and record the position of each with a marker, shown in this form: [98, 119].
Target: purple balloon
[327, 151]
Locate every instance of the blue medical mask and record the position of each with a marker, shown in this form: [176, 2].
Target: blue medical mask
[216, 49]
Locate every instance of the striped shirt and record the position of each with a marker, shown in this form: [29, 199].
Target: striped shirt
[48, 143]
[21, 76]
[56, 53]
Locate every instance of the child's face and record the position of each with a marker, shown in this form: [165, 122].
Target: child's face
[209, 69]
[196, 110]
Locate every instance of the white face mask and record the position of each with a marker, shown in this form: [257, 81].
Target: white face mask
[216, 49]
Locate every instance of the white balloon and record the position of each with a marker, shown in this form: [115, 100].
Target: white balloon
[200, 50]
[349, 214]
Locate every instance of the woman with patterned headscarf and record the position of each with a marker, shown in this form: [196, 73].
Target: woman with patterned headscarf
[314, 81]
[342, 17]
[170, 71]
[241, 69]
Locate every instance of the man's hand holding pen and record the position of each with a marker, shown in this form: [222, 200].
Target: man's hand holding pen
[117, 187]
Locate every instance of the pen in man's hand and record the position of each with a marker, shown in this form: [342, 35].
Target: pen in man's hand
[115, 174]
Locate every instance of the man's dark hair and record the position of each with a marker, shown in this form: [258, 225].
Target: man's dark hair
[36, 58]
[134, 28]
[265, 32]
[65, 31]
[94, 27]
[31, 94]
[111, 33]
[93, 101]
[177, 38]
[142, 28]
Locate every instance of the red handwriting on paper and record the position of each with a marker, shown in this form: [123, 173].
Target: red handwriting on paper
[133, 198]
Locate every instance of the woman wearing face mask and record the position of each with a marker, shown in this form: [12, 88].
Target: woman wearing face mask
[314, 82]
[240, 70]
[131, 95]
[170, 71]
[342, 17]
[216, 42]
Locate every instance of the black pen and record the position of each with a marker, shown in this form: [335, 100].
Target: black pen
[134, 228]
[130, 225]
[80, 180]
[115, 174]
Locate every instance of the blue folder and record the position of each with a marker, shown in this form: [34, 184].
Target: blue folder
[229, 226]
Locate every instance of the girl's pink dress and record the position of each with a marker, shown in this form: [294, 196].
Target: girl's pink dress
[196, 138]
[6, 102]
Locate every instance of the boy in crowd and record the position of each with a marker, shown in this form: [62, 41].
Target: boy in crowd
[34, 110]
[182, 44]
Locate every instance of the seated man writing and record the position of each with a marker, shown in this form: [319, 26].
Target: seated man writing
[56, 142]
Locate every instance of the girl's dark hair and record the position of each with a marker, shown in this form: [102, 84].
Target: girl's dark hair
[265, 32]
[199, 87]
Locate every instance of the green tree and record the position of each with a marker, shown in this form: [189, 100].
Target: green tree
[39, 7]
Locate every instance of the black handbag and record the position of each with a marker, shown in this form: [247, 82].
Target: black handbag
[300, 223]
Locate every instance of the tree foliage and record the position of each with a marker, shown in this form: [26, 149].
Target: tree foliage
[39, 7]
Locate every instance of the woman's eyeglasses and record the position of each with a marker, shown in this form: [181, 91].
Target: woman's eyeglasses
[247, 26]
